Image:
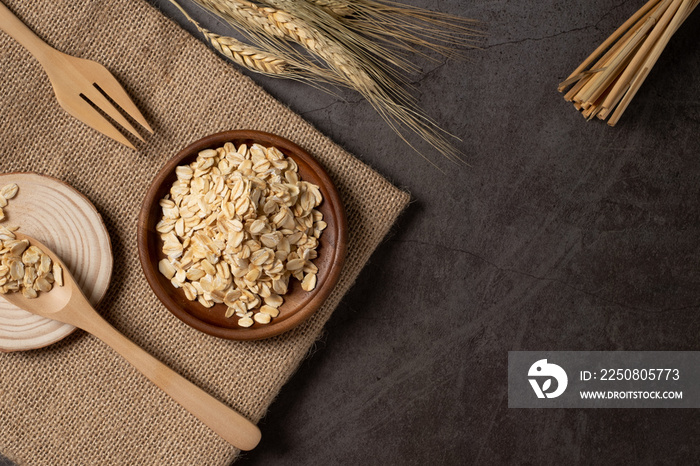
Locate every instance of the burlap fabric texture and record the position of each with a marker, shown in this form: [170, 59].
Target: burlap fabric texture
[77, 402]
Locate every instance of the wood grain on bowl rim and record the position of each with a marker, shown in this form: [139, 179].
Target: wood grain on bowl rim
[299, 305]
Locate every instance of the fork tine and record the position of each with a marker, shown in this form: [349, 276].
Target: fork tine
[116, 92]
[83, 111]
[96, 97]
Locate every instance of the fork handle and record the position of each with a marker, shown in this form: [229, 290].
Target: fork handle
[19, 31]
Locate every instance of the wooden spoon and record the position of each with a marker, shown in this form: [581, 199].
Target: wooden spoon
[68, 304]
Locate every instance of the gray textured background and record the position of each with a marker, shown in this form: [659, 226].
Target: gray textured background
[562, 235]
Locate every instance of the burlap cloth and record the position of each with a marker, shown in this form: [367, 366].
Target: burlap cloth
[77, 402]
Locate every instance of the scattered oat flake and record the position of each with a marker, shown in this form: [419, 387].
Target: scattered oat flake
[9, 191]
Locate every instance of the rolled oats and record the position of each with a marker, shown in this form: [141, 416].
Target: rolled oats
[236, 226]
[23, 268]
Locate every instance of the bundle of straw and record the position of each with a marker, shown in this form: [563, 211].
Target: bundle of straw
[608, 80]
[358, 44]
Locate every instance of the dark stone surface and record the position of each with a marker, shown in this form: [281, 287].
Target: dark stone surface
[561, 235]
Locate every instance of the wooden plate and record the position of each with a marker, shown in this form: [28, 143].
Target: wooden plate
[298, 304]
[66, 221]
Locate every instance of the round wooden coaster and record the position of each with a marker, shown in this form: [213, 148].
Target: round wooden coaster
[63, 219]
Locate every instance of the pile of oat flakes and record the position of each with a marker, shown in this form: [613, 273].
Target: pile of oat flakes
[237, 225]
[23, 268]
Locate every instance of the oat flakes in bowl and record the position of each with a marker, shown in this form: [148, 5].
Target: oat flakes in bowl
[233, 222]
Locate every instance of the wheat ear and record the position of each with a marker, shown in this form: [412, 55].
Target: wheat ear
[374, 57]
[257, 24]
[357, 60]
[247, 56]
[240, 52]
[265, 23]
[394, 105]
[243, 13]
[258, 60]
[277, 30]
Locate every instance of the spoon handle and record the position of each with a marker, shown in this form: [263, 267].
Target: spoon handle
[231, 426]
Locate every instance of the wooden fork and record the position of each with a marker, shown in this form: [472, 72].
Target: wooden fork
[78, 83]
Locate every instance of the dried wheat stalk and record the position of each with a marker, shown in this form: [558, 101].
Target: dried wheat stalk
[325, 43]
[247, 56]
[267, 23]
[354, 61]
[606, 82]
[404, 26]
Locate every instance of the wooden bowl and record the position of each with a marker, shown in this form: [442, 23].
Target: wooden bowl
[298, 304]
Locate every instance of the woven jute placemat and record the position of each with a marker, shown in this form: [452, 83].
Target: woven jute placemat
[77, 402]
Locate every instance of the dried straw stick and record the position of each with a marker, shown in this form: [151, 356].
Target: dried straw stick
[603, 87]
